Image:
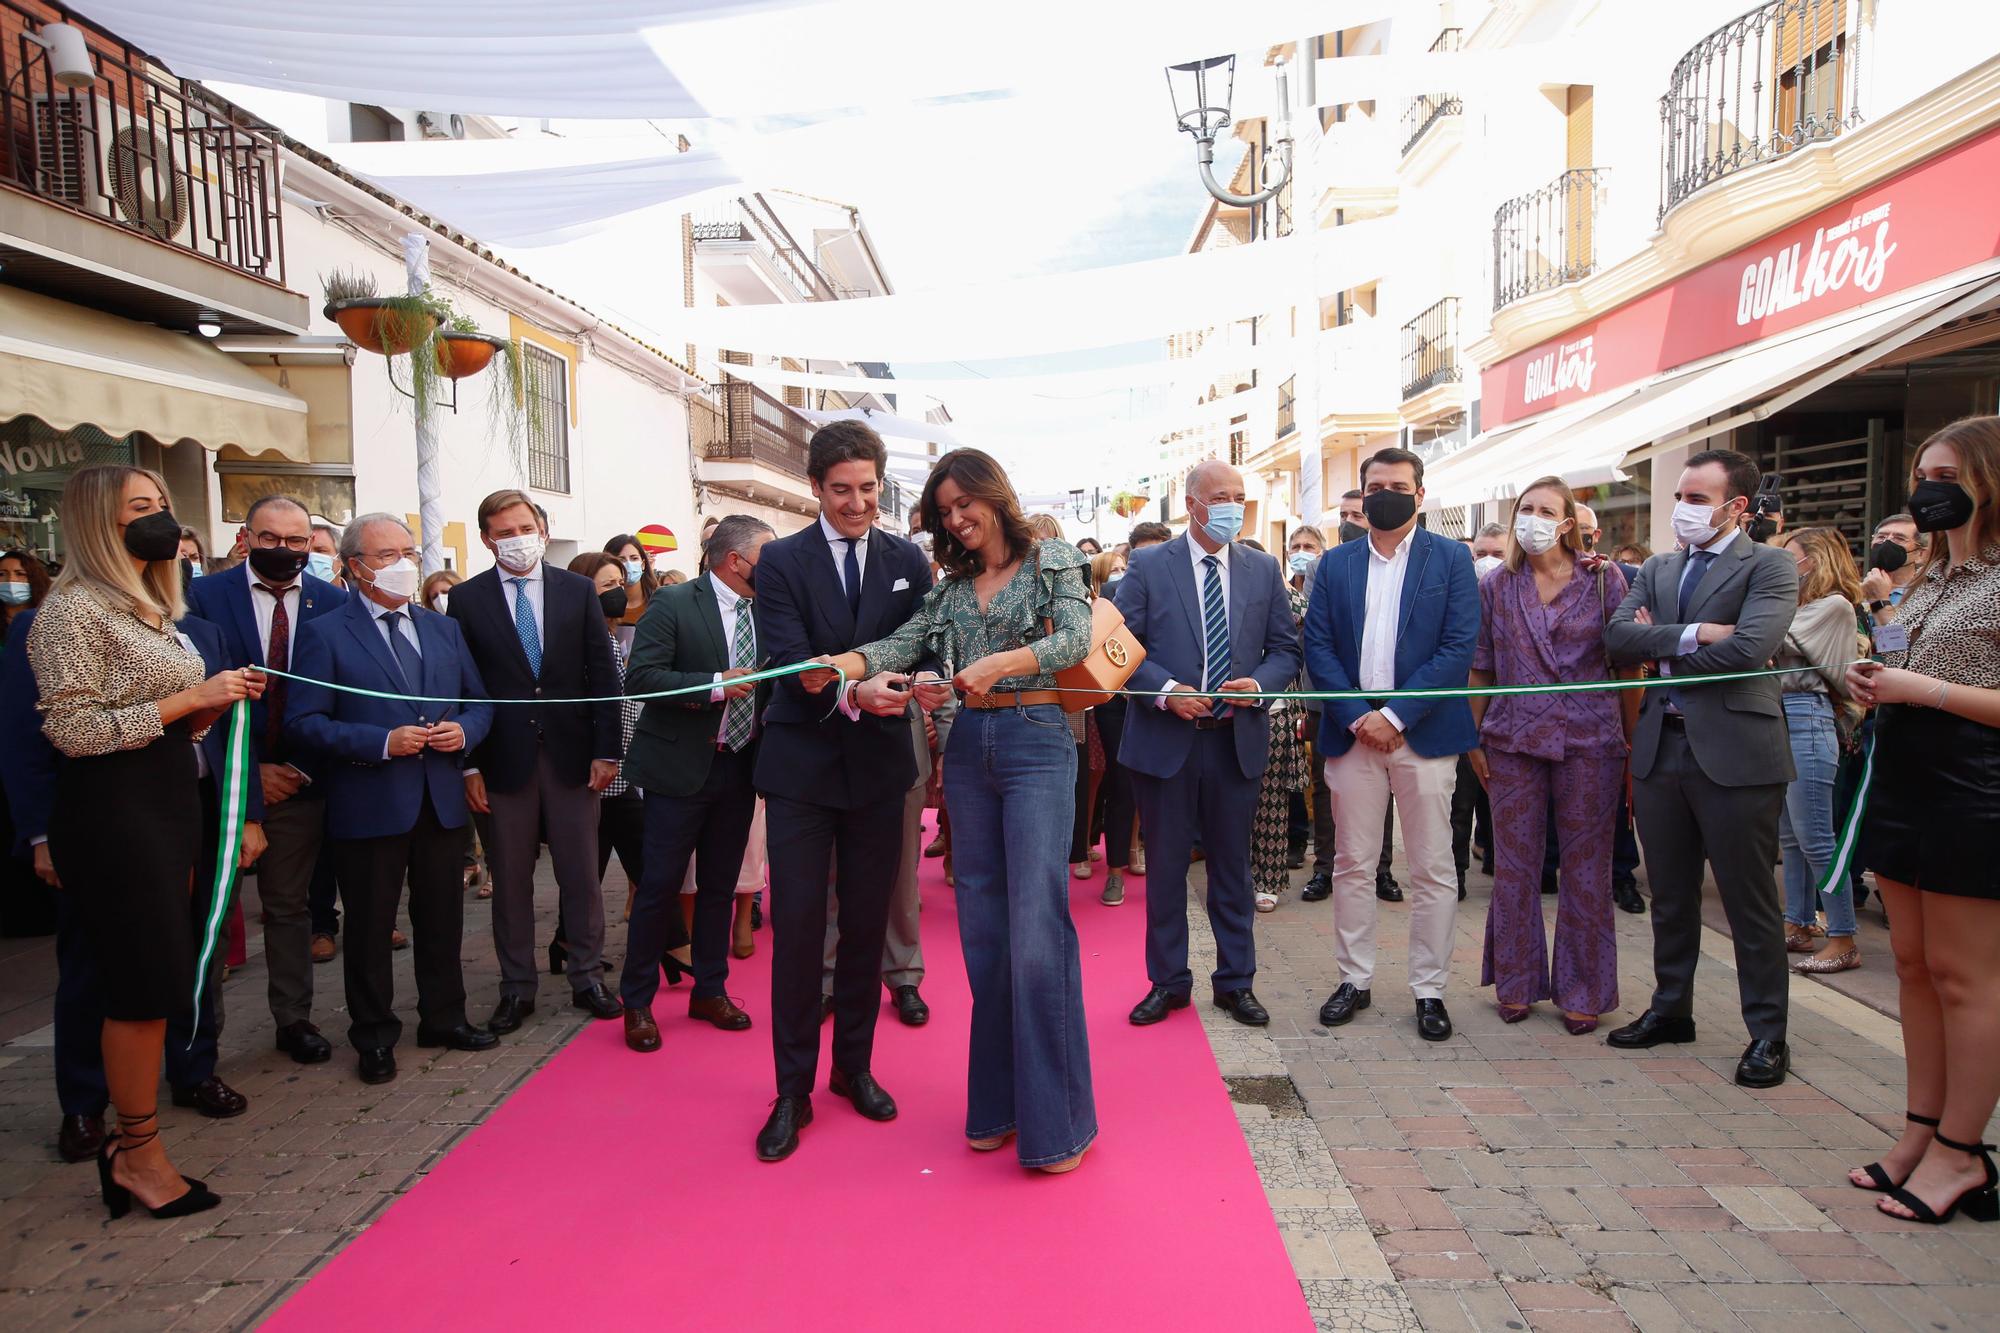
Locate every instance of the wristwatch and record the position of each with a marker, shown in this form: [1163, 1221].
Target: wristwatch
[1878, 604]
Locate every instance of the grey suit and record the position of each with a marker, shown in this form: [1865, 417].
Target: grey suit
[1709, 784]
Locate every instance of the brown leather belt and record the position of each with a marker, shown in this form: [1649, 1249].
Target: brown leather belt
[1213, 723]
[1012, 698]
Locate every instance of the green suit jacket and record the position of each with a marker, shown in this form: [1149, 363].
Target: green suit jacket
[680, 642]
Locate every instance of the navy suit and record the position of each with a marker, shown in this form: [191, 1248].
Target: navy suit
[1200, 779]
[388, 818]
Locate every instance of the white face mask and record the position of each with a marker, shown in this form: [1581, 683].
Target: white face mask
[398, 580]
[1535, 533]
[1694, 525]
[440, 602]
[522, 553]
[1485, 565]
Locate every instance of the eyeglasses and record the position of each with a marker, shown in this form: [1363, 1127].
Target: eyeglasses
[381, 559]
[271, 541]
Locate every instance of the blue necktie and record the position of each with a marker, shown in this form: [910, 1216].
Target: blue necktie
[850, 574]
[1697, 565]
[1215, 627]
[407, 659]
[524, 625]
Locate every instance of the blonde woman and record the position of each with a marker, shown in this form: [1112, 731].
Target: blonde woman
[1820, 644]
[123, 697]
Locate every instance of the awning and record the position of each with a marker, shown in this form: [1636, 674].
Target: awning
[1625, 427]
[72, 367]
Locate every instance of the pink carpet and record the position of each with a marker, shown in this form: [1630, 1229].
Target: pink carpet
[615, 1187]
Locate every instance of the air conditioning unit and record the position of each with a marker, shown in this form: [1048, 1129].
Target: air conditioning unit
[101, 159]
[441, 125]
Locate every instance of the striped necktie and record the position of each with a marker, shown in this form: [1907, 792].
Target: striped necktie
[1215, 627]
[737, 716]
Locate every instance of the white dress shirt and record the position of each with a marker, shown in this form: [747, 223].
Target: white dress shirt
[837, 544]
[265, 608]
[1197, 555]
[1382, 615]
[534, 589]
[726, 599]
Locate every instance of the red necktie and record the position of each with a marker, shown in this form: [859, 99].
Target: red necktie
[279, 656]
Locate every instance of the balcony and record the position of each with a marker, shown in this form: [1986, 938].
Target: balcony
[1767, 83]
[1426, 111]
[754, 259]
[139, 194]
[1546, 238]
[1356, 158]
[1359, 383]
[1288, 401]
[1431, 371]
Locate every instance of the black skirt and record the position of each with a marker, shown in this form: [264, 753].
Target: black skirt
[1933, 817]
[124, 835]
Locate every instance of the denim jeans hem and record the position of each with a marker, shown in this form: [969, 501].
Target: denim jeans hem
[1088, 1139]
[1011, 1127]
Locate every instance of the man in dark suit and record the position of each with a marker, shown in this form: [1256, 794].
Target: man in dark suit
[1710, 763]
[1399, 610]
[1624, 844]
[261, 607]
[694, 756]
[834, 772]
[537, 632]
[1214, 616]
[395, 791]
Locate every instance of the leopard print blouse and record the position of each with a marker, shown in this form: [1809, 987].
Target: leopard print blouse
[1954, 623]
[102, 672]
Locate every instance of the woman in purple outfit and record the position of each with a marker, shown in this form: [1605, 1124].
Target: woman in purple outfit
[1542, 623]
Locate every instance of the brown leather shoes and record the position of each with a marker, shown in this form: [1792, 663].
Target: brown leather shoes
[213, 1098]
[324, 947]
[642, 1034]
[79, 1137]
[721, 1011]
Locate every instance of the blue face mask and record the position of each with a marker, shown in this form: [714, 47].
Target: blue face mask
[320, 565]
[633, 569]
[13, 594]
[1225, 520]
[1302, 562]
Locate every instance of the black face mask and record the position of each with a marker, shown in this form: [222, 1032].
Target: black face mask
[1939, 506]
[277, 564]
[1761, 529]
[157, 536]
[1887, 557]
[1351, 532]
[613, 603]
[1389, 510]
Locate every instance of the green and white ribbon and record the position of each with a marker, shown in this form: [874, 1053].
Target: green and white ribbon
[1839, 874]
[1466, 691]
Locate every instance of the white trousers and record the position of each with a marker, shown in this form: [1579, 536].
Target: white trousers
[1360, 783]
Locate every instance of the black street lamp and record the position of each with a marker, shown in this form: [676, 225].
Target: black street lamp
[1207, 116]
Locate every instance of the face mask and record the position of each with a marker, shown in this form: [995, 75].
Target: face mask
[1485, 565]
[277, 564]
[1351, 532]
[1940, 506]
[1389, 510]
[1535, 533]
[613, 603]
[634, 569]
[522, 553]
[1762, 529]
[194, 569]
[398, 580]
[1225, 520]
[1694, 524]
[157, 536]
[440, 602]
[1887, 557]
[320, 565]
[1302, 563]
[13, 594]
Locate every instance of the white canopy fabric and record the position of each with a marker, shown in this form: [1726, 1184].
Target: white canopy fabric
[1061, 385]
[890, 425]
[1403, 74]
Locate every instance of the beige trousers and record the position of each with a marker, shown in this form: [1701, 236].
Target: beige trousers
[1360, 783]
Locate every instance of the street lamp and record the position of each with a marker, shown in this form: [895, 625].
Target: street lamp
[1206, 118]
[1084, 513]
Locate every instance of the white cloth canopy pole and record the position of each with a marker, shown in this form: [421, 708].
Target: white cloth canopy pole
[430, 477]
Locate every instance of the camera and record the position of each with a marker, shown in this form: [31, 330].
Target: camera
[1765, 518]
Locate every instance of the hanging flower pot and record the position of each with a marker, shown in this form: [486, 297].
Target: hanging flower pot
[384, 325]
[462, 354]
[1127, 503]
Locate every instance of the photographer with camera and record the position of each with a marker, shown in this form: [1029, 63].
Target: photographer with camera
[1765, 518]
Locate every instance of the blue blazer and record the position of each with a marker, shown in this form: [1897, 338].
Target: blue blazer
[224, 601]
[368, 796]
[1436, 631]
[1162, 607]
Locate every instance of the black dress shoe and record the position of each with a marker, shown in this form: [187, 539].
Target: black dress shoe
[1242, 1006]
[1155, 1006]
[1625, 893]
[779, 1138]
[1387, 889]
[910, 1007]
[80, 1137]
[213, 1098]
[866, 1094]
[756, 915]
[1346, 1001]
[1295, 857]
[301, 1041]
[464, 1037]
[1763, 1065]
[510, 1013]
[1433, 1023]
[378, 1064]
[1318, 888]
[1652, 1030]
[825, 1008]
[1461, 883]
[598, 1001]
[558, 958]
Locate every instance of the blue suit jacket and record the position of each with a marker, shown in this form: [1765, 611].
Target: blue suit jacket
[1162, 607]
[224, 601]
[1436, 631]
[368, 796]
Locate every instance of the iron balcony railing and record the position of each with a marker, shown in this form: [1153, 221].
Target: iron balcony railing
[1288, 402]
[1430, 349]
[1547, 237]
[137, 148]
[747, 423]
[1777, 78]
[749, 220]
[1427, 110]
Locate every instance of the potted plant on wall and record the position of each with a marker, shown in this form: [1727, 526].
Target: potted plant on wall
[1127, 503]
[384, 325]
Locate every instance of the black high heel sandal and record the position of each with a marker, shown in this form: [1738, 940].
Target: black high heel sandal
[1874, 1170]
[1981, 1202]
[675, 969]
[558, 958]
[118, 1199]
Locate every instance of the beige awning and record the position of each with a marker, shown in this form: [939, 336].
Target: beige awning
[72, 367]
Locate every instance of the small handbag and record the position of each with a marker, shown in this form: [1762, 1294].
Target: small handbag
[1115, 653]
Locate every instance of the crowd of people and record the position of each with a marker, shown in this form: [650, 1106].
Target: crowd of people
[760, 742]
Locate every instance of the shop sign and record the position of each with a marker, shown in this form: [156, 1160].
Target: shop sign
[1931, 220]
[45, 455]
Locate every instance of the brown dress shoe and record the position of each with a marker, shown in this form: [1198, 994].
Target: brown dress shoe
[324, 947]
[719, 1010]
[642, 1034]
[80, 1137]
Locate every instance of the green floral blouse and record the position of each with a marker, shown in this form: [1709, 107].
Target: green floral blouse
[1052, 585]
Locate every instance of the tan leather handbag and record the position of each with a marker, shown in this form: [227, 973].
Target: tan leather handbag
[1115, 653]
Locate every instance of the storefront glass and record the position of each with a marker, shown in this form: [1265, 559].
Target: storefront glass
[35, 462]
[1624, 508]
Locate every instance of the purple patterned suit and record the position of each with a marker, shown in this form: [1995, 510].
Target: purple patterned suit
[1571, 743]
